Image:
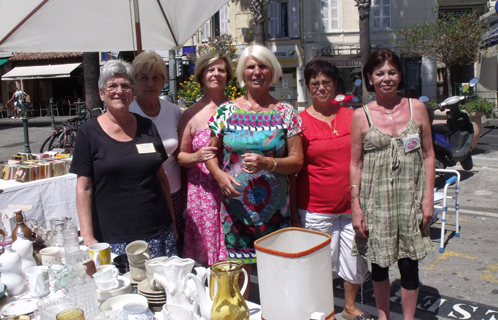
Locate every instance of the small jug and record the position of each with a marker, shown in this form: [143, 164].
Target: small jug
[21, 226]
[228, 303]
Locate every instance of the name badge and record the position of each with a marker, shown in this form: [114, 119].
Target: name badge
[411, 142]
[146, 148]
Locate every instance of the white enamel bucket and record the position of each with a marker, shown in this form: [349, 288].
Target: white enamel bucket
[295, 274]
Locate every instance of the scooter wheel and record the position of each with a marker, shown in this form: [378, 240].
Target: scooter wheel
[467, 163]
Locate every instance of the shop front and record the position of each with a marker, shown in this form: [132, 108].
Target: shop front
[290, 87]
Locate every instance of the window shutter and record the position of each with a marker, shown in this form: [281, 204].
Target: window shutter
[274, 24]
[334, 14]
[294, 18]
[206, 31]
[330, 15]
[225, 19]
[325, 15]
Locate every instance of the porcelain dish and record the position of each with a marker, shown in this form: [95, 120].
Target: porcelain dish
[20, 307]
[118, 302]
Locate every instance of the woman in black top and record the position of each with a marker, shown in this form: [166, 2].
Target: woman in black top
[122, 192]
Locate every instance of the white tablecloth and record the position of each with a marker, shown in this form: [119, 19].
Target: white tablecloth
[50, 198]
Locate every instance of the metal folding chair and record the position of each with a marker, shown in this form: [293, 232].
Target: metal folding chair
[444, 206]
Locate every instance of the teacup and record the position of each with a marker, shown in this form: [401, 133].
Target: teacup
[136, 311]
[38, 284]
[153, 284]
[138, 273]
[137, 252]
[109, 273]
[106, 284]
[101, 253]
[50, 256]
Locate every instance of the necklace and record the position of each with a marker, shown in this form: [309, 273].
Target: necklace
[389, 113]
[153, 113]
[334, 130]
[261, 108]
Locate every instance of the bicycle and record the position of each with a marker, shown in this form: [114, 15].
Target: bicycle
[64, 137]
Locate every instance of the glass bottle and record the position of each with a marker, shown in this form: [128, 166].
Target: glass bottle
[70, 234]
[56, 238]
[82, 289]
[24, 248]
[21, 227]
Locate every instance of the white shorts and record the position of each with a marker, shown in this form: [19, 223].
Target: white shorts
[353, 269]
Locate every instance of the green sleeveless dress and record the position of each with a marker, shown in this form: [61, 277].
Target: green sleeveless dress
[392, 191]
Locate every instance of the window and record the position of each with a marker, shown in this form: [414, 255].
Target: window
[381, 14]
[206, 31]
[283, 19]
[329, 11]
[221, 23]
[224, 19]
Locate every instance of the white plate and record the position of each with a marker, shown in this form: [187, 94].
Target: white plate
[19, 307]
[118, 302]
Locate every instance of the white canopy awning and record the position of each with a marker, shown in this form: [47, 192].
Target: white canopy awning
[41, 72]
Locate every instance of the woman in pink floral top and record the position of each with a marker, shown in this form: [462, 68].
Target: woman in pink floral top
[204, 239]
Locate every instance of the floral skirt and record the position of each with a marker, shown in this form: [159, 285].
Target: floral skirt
[160, 246]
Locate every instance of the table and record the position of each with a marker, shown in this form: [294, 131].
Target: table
[50, 198]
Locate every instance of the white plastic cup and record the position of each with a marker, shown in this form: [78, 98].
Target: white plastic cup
[38, 284]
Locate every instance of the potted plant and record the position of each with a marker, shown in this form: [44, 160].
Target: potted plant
[476, 108]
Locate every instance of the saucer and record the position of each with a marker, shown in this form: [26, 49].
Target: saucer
[121, 283]
[143, 286]
[20, 307]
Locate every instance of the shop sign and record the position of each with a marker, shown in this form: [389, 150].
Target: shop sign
[457, 13]
[346, 63]
[285, 53]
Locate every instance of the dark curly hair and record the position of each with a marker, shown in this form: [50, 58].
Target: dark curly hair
[317, 66]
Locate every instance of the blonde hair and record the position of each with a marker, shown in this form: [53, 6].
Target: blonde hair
[205, 60]
[262, 54]
[149, 61]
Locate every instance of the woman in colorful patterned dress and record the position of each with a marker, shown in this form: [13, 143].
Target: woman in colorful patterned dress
[392, 178]
[204, 239]
[261, 143]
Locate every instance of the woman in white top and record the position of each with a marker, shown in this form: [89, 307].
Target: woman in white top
[150, 72]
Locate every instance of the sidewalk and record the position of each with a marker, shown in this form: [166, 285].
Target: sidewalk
[12, 137]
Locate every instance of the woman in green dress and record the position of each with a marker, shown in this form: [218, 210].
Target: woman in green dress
[392, 182]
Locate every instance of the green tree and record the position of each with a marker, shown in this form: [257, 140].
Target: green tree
[451, 40]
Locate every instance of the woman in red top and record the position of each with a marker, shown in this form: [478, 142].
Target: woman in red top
[323, 194]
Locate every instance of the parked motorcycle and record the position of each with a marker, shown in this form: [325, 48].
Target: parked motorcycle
[452, 140]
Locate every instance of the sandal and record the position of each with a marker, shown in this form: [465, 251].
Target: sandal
[364, 316]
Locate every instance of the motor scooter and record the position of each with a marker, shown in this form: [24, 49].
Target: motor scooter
[452, 140]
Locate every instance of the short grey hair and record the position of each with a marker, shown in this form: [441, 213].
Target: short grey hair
[264, 55]
[114, 68]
